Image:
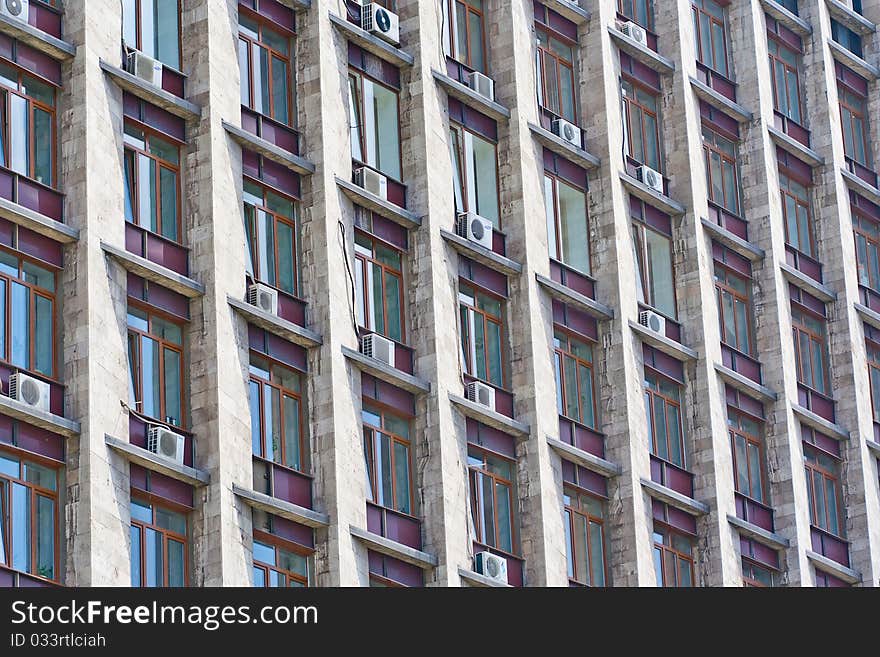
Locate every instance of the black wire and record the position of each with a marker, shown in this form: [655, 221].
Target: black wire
[350, 277]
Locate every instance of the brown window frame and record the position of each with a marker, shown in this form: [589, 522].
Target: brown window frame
[873, 357]
[278, 542]
[722, 288]
[370, 447]
[153, 501]
[676, 554]
[630, 101]
[475, 452]
[255, 243]
[786, 191]
[752, 582]
[290, 35]
[362, 262]
[698, 10]
[813, 467]
[735, 430]
[800, 331]
[452, 10]
[546, 57]
[571, 510]
[633, 16]
[140, 38]
[650, 395]
[858, 114]
[775, 59]
[871, 278]
[487, 318]
[730, 200]
[561, 353]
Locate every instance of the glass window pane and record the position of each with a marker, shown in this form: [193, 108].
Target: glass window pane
[168, 187]
[21, 331]
[742, 466]
[45, 531]
[383, 470]
[21, 528]
[485, 179]
[394, 323]
[581, 550]
[401, 475]
[660, 272]
[176, 563]
[286, 260]
[597, 555]
[173, 390]
[387, 132]
[292, 454]
[256, 442]
[280, 94]
[171, 521]
[259, 578]
[245, 73]
[18, 123]
[43, 323]
[135, 534]
[573, 229]
[505, 520]
[155, 559]
[493, 352]
[44, 138]
[757, 486]
[354, 119]
[141, 512]
[475, 45]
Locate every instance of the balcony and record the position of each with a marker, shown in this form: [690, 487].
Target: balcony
[270, 139]
[818, 404]
[10, 578]
[754, 512]
[395, 526]
[154, 462]
[672, 476]
[282, 483]
[372, 44]
[42, 31]
[34, 206]
[515, 566]
[716, 81]
[138, 426]
[796, 133]
[731, 222]
[468, 96]
[493, 258]
[830, 546]
[741, 363]
[283, 328]
[169, 99]
[396, 376]
[582, 437]
[156, 248]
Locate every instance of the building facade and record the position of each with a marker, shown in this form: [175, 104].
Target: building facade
[534, 293]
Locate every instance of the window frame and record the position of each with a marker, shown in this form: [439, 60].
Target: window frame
[279, 543]
[252, 240]
[644, 269]
[650, 395]
[463, 161]
[569, 511]
[454, 46]
[633, 16]
[873, 358]
[736, 430]
[560, 354]
[153, 501]
[857, 115]
[475, 452]
[272, 54]
[542, 56]
[813, 467]
[698, 10]
[359, 76]
[752, 582]
[775, 58]
[554, 182]
[362, 263]
[864, 270]
[371, 461]
[786, 190]
[631, 101]
[722, 288]
[666, 548]
[465, 333]
[710, 148]
[800, 330]
[139, 37]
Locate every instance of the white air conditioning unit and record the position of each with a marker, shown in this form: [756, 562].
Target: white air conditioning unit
[375, 346]
[377, 20]
[635, 32]
[264, 298]
[29, 391]
[653, 321]
[568, 131]
[482, 84]
[475, 228]
[481, 394]
[651, 178]
[145, 67]
[15, 9]
[372, 181]
[165, 442]
[491, 565]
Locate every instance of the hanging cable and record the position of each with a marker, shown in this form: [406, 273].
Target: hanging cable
[353, 299]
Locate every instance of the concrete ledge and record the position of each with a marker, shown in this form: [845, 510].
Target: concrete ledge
[664, 344]
[868, 316]
[156, 273]
[156, 463]
[793, 22]
[373, 44]
[377, 204]
[569, 9]
[481, 254]
[561, 147]
[660, 201]
[734, 242]
[745, 384]
[575, 299]
[831, 567]
[819, 423]
[640, 53]
[282, 508]
[39, 223]
[749, 530]
[37, 39]
[386, 373]
[491, 418]
[795, 147]
[48, 421]
[475, 579]
[856, 63]
[144, 90]
[589, 461]
[721, 102]
[873, 447]
[297, 5]
[849, 18]
[424, 560]
[269, 150]
[281, 327]
[674, 498]
[807, 284]
[859, 186]
[471, 98]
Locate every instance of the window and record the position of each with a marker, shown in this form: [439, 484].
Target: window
[379, 282]
[653, 254]
[27, 120]
[823, 490]
[272, 232]
[721, 170]
[27, 315]
[278, 564]
[264, 62]
[152, 181]
[642, 125]
[555, 65]
[673, 558]
[710, 36]
[874, 375]
[152, 26]
[847, 38]
[158, 546]
[28, 516]
[568, 231]
[797, 216]
[584, 536]
[375, 139]
[475, 174]
[748, 456]
[810, 350]
[757, 576]
[853, 119]
[388, 460]
[867, 239]
[468, 33]
[638, 11]
[791, 5]
[277, 422]
[734, 309]
[492, 499]
[663, 409]
[155, 365]
[481, 335]
[575, 398]
[784, 67]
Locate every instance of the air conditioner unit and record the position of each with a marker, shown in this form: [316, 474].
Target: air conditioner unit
[481, 393]
[264, 298]
[482, 84]
[377, 20]
[568, 131]
[635, 32]
[145, 67]
[165, 442]
[491, 565]
[475, 228]
[372, 181]
[653, 321]
[29, 391]
[651, 178]
[15, 9]
[375, 346]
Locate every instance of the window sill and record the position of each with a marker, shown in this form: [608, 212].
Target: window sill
[792, 21]
[269, 150]
[296, 5]
[377, 204]
[750, 530]
[491, 418]
[873, 447]
[386, 373]
[471, 98]
[476, 579]
[662, 343]
[849, 18]
[552, 142]
[720, 102]
[653, 198]
[853, 61]
[734, 242]
[424, 560]
[795, 147]
[570, 10]
[580, 301]
[820, 424]
[807, 284]
[37, 222]
[156, 463]
[293, 512]
[481, 254]
[585, 459]
[642, 54]
[37, 39]
[868, 316]
[145, 91]
[380, 48]
[745, 384]
[674, 498]
[275, 325]
[830, 566]
[48, 421]
[859, 186]
[158, 274]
